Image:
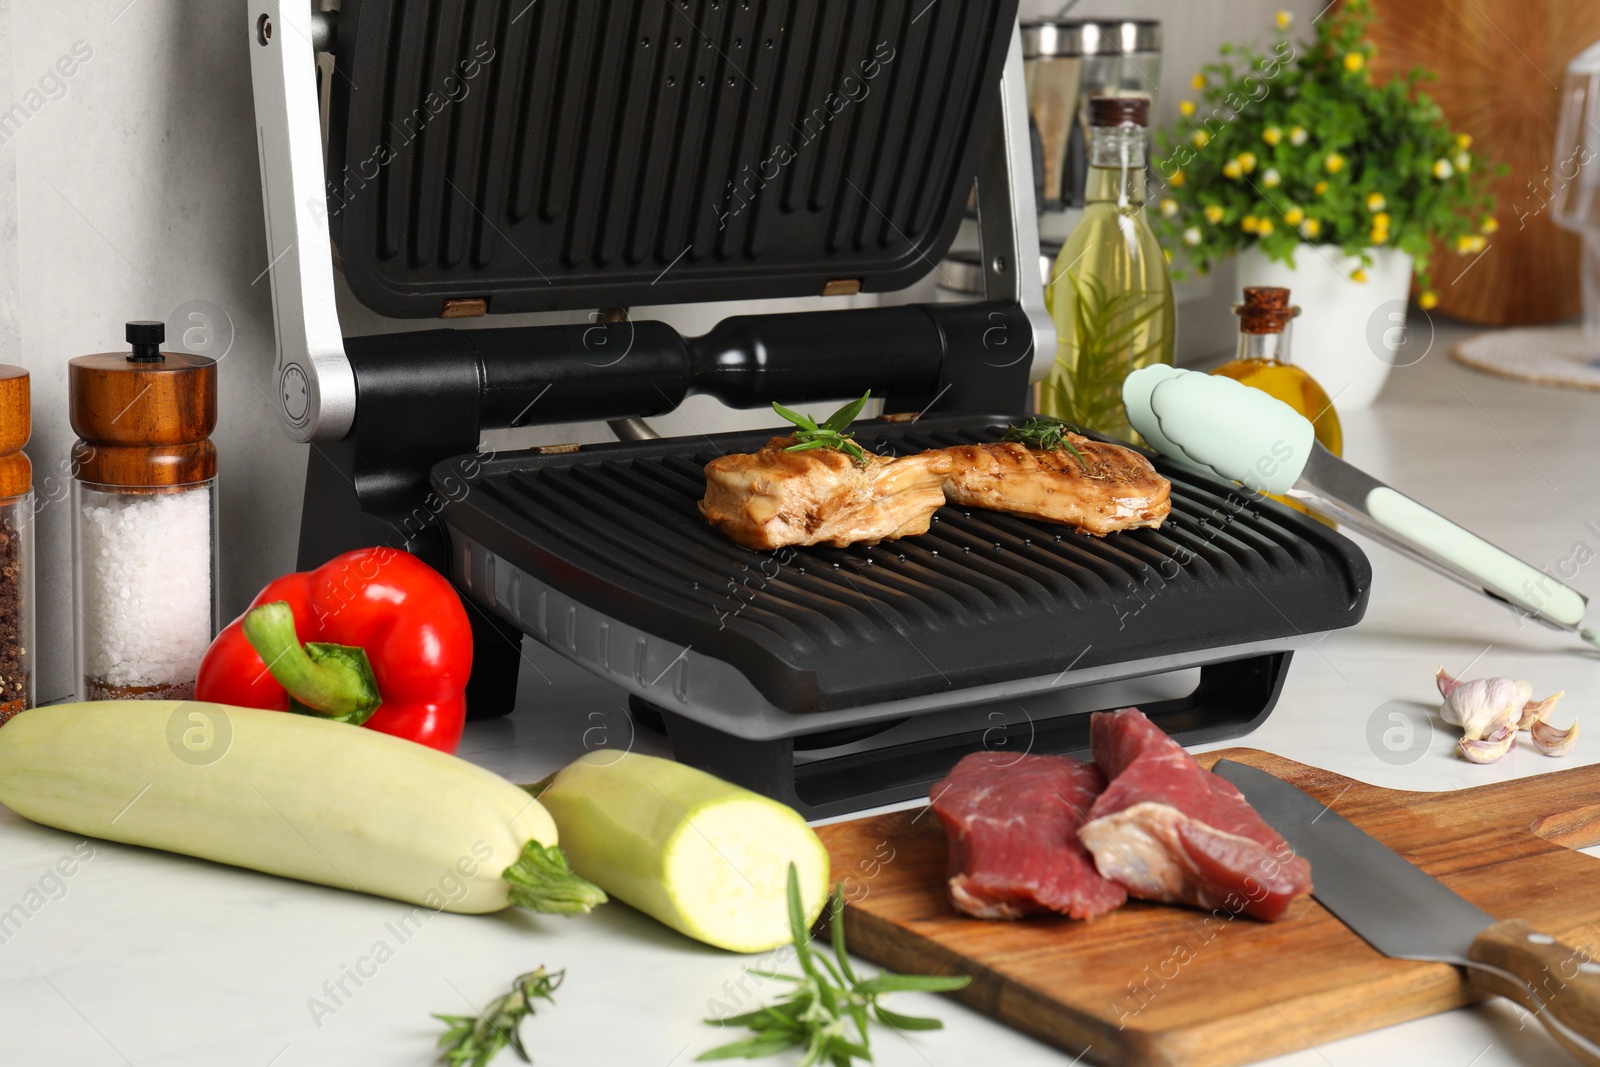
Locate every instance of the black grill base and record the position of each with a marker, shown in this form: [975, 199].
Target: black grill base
[837, 679]
[1231, 699]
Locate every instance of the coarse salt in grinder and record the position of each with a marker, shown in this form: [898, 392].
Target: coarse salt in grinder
[16, 545]
[144, 522]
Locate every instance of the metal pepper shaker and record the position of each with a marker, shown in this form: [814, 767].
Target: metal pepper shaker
[144, 527]
[16, 544]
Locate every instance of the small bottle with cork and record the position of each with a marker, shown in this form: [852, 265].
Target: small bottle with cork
[1266, 321]
[144, 518]
[16, 544]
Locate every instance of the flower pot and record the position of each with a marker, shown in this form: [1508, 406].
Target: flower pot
[1348, 333]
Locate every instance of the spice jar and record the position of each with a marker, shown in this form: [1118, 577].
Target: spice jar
[16, 545]
[144, 529]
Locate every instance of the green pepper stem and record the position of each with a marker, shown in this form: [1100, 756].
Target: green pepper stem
[333, 681]
[540, 880]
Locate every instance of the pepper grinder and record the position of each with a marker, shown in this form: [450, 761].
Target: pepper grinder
[16, 544]
[144, 530]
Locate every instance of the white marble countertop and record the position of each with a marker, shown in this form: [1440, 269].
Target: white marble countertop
[152, 959]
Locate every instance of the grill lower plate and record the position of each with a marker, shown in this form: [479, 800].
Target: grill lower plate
[603, 555]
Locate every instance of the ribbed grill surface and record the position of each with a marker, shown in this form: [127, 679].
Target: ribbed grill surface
[538, 153]
[982, 597]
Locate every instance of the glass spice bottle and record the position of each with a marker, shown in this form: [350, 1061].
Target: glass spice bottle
[1111, 297]
[16, 545]
[144, 527]
[1265, 324]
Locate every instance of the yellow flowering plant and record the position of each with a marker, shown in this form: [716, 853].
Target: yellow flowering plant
[1298, 144]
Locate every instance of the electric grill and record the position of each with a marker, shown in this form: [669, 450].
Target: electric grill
[516, 156]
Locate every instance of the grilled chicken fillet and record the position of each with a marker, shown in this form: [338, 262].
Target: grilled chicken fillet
[772, 498]
[1115, 488]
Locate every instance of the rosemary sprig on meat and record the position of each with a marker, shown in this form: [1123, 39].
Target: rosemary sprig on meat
[1047, 434]
[825, 997]
[809, 434]
[473, 1042]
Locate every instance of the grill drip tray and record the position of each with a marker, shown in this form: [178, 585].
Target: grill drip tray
[750, 656]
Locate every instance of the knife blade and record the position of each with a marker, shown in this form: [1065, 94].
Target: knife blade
[1405, 913]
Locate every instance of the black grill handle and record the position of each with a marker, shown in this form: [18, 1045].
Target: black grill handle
[530, 375]
[751, 360]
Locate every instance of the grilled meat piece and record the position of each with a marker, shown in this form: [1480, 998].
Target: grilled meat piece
[772, 498]
[1166, 829]
[1012, 822]
[1119, 490]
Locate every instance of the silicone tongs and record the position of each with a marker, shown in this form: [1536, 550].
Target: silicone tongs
[1241, 434]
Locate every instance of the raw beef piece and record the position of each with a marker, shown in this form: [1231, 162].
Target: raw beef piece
[1168, 830]
[1012, 822]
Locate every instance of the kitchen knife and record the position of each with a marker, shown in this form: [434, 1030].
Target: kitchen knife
[1406, 913]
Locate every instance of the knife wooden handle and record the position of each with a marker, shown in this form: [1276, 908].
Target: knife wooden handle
[1559, 984]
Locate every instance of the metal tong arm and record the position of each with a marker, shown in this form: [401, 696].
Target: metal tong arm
[1348, 495]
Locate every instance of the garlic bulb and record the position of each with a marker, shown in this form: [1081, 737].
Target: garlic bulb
[1490, 711]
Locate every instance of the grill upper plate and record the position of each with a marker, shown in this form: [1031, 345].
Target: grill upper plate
[574, 154]
[982, 598]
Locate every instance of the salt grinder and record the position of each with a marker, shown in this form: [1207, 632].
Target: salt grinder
[16, 545]
[144, 521]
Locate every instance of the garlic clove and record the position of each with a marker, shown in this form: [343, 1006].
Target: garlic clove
[1552, 741]
[1446, 683]
[1482, 750]
[1538, 711]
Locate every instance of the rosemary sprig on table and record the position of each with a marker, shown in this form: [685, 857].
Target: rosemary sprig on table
[809, 434]
[1045, 433]
[473, 1042]
[827, 994]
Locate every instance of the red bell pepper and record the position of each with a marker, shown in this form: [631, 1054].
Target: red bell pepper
[387, 645]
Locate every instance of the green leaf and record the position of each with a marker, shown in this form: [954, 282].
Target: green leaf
[805, 422]
[847, 414]
[809, 436]
[840, 1047]
[814, 1015]
[836, 931]
[798, 928]
[750, 1048]
[920, 983]
[476, 1041]
[906, 1022]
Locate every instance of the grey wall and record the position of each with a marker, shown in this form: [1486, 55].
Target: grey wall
[131, 191]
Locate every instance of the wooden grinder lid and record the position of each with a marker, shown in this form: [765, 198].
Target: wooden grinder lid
[16, 426]
[145, 416]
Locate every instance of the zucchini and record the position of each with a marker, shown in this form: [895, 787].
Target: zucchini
[290, 795]
[706, 857]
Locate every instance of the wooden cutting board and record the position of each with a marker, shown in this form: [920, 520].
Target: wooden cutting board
[1152, 984]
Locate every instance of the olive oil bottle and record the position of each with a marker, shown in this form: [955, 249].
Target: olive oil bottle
[1265, 321]
[1110, 293]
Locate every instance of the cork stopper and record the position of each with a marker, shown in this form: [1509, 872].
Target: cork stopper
[143, 417]
[1266, 309]
[1119, 111]
[16, 426]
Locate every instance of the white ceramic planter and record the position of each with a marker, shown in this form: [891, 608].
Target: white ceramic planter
[1348, 333]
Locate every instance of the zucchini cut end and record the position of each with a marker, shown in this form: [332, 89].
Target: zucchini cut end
[727, 871]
